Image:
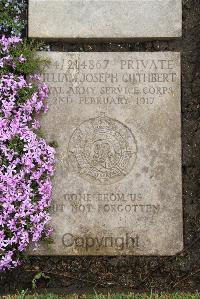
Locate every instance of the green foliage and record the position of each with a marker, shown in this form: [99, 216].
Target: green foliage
[108, 296]
[54, 144]
[48, 240]
[33, 63]
[34, 186]
[26, 93]
[37, 277]
[4, 161]
[22, 294]
[16, 144]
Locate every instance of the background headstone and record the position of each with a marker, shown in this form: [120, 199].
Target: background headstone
[116, 118]
[105, 19]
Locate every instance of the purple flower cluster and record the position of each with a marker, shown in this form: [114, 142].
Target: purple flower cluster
[26, 161]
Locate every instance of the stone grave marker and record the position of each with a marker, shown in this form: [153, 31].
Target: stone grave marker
[105, 19]
[116, 118]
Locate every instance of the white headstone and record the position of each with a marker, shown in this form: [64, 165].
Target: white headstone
[116, 118]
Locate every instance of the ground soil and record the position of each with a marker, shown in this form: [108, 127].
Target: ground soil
[124, 273]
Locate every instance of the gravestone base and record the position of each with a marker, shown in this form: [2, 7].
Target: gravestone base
[110, 19]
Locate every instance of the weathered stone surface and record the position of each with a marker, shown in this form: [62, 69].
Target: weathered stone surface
[116, 118]
[105, 19]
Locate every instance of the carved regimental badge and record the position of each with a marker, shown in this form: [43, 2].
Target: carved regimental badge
[102, 150]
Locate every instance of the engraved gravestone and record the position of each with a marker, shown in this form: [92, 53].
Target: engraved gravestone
[105, 19]
[102, 150]
[116, 118]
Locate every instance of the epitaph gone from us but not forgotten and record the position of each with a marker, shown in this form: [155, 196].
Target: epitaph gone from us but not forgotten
[116, 119]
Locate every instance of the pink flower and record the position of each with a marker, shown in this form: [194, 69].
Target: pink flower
[21, 58]
[26, 162]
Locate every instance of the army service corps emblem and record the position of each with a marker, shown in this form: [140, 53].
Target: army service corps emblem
[102, 150]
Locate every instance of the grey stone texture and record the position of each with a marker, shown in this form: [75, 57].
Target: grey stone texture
[116, 118]
[105, 19]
